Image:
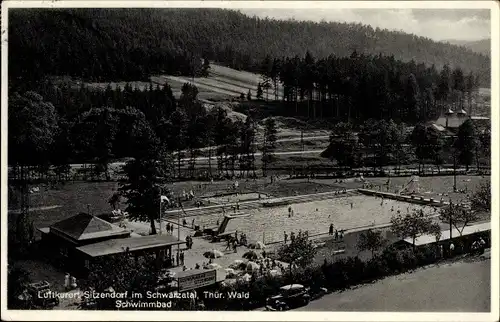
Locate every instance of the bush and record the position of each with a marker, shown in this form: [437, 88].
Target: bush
[409, 260]
[355, 271]
[376, 268]
[426, 255]
[393, 260]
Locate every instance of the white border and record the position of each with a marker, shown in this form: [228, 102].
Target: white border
[252, 315]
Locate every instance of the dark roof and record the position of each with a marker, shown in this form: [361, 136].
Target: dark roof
[115, 246]
[84, 227]
[445, 234]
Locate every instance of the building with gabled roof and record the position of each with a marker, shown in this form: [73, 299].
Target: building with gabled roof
[84, 228]
[452, 120]
[76, 241]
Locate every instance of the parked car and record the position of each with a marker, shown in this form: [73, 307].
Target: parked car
[318, 292]
[290, 296]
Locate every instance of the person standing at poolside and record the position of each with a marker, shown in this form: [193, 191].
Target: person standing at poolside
[482, 243]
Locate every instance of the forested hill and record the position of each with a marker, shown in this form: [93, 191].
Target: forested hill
[482, 46]
[131, 44]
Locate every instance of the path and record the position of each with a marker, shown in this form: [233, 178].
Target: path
[462, 286]
[18, 211]
[293, 139]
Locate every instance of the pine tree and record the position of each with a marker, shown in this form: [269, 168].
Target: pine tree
[269, 145]
[148, 170]
[466, 143]
[259, 91]
[205, 68]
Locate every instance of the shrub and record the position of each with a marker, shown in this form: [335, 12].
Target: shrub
[355, 271]
[376, 268]
[393, 260]
[426, 255]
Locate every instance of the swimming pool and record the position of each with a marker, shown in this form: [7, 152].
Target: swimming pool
[268, 224]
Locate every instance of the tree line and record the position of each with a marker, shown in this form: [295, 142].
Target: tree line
[64, 125]
[359, 87]
[132, 44]
[379, 143]
[68, 126]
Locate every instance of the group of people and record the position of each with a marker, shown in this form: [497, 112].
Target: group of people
[69, 282]
[242, 240]
[232, 244]
[179, 258]
[268, 264]
[170, 228]
[338, 235]
[204, 266]
[187, 196]
[237, 240]
[478, 246]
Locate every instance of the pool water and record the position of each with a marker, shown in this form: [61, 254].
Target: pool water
[268, 224]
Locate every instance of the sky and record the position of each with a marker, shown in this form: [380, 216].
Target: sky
[437, 24]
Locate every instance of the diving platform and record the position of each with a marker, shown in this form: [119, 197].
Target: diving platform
[219, 230]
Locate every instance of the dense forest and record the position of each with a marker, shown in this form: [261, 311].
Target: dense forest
[360, 87]
[131, 44]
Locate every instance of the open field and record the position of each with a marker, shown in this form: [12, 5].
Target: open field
[462, 286]
[223, 83]
[73, 197]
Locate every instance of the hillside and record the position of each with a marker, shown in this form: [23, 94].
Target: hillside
[221, 83]
[132, 44]
[482, 46]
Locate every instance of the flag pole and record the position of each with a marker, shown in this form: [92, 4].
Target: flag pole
[179, 226]
[160, 211]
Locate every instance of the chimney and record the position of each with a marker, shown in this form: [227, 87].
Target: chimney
[448, 114]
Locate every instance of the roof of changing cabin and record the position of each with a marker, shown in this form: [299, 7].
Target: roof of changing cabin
[445, 234]
[84, 227]
[115, 246]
